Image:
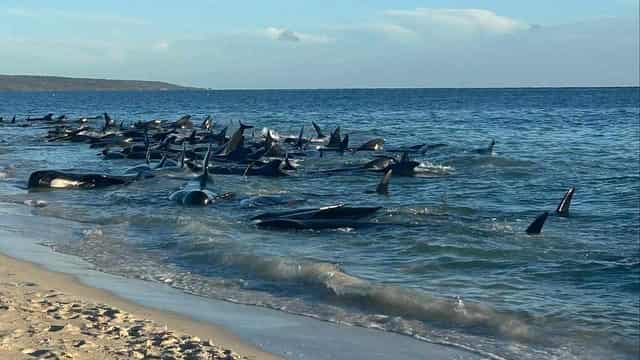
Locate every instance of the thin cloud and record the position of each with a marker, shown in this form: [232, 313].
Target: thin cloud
[465, 20]
[76, 16]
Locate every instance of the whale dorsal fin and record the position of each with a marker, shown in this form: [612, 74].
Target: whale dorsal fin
[205, 167]
[563, 207]
[206, 124]
[344, 144]
[300, 140]
[147, 155]
[383, 186]
[493, 143]
[318, 130]
[183, 155]
[287, 164]
[334, 140]
[537, 224]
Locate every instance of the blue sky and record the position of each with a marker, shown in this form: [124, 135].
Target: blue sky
[320, 44]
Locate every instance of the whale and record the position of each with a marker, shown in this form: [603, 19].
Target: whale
[486, 151]
[270, 169]
[404, 167]
[371, 145]
[183, 123]
[287, 165]
[196, 193]
[54, 179]
[142, 169]
[291, 224]
[341, 147]
[47, 117]
[235, 141]
[328, 217]
[108, 122]
[338, 211]
[207, 123]
[379, 164]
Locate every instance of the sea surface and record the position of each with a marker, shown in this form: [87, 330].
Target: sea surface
[448, 262]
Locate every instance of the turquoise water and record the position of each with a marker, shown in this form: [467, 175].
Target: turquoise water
[451, 264]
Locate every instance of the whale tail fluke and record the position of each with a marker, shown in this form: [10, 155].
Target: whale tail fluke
[536, 226]
[563, 207]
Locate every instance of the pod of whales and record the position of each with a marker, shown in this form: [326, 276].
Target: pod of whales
[182, 146]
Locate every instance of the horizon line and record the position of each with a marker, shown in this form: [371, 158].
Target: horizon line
[196, 88]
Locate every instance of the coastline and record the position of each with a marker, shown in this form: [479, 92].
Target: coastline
[247, 329]
[35, 302]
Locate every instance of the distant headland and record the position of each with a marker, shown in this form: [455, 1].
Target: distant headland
[58, 83]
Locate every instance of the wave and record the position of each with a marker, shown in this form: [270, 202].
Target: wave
[341, 288]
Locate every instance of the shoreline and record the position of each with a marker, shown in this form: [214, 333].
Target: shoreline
[35, 302]
[273, 333]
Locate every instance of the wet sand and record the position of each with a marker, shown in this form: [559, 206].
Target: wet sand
[50, 315]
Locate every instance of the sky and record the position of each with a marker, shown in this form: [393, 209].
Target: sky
[327, 44]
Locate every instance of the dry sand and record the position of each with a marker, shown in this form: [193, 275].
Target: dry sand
[52, 316]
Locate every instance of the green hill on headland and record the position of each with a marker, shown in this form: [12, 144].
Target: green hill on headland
[57, 83]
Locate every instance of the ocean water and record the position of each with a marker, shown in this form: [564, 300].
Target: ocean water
[449, 261]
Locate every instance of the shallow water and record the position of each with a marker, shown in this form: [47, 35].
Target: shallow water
[448, 261]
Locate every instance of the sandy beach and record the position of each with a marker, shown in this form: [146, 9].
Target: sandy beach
[49, 315]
